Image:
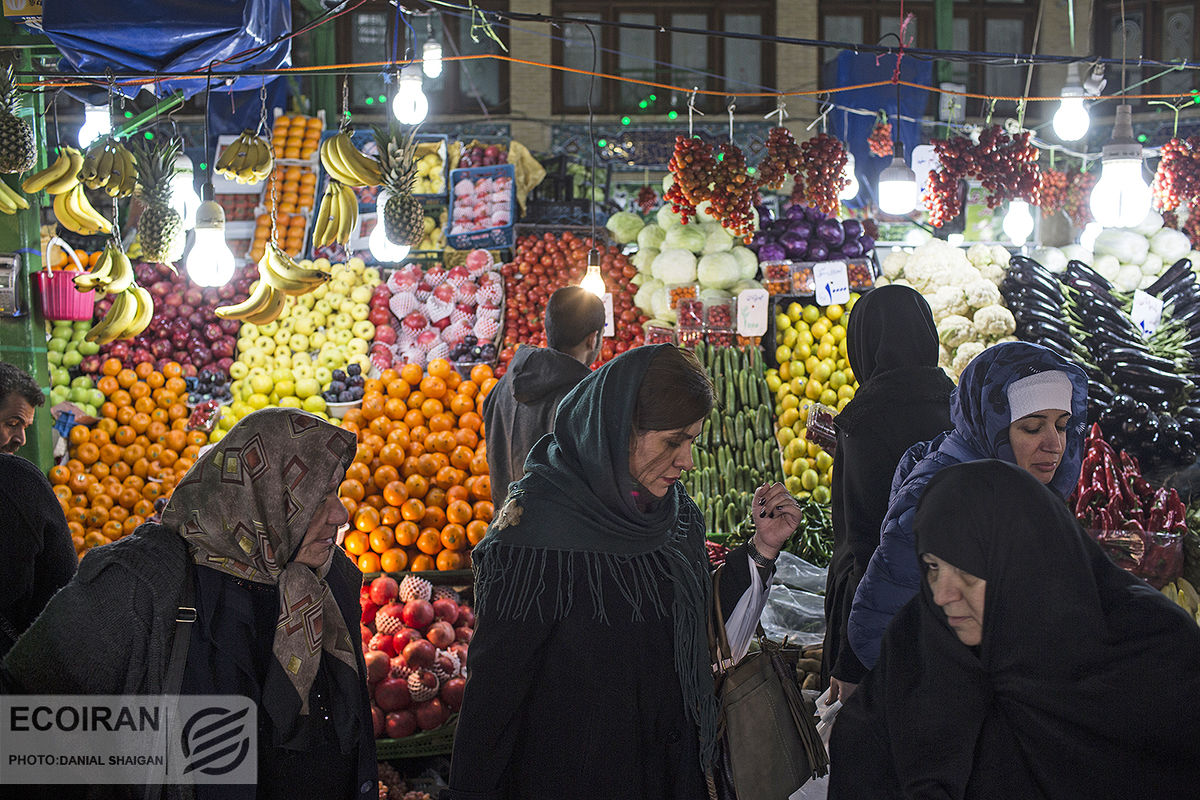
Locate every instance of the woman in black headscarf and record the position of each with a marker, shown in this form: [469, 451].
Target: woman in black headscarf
[1028, 666]
[590, 675]
[903, 398]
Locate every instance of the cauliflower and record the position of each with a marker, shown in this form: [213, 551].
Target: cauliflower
[893, 264]
[1004, 339]
[945, 357]
[955, 329]
[980, 255]
[993, 273]
[948, 300]
[882, 281]
[994, 321]
[1000, 255]
[963, 355]
[982, 293]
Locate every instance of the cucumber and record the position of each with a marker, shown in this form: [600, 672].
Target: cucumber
[714, 426]
[701, 352]
[739, 430]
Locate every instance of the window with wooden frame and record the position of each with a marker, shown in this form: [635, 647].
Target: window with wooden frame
[716, 63]
[1164, 31]
[373, 30]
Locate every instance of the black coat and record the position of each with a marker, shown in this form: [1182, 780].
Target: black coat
[904, 398]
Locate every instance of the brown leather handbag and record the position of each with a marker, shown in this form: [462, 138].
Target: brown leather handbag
[770, 746]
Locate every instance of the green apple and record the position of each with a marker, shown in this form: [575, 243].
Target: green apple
[323, 307]
[238, 370]
[268, 329]
[283, 359]
[282, 335]
[248, 329]
[357, 346]
[82, 382]
[258, 400]
[301, 358]
[72, 358]
[78, 396]
[307, 386]
[320, 291]
[262, 383]
[346, 306]
[372, 276]
[59, 376]
[235, 386]
[306, 300]
[255, 358]
[360, 294]
[55, 358]
[304, 325]
[57, 345]
[363, 329]
[290, 402]
[265, 345]
[360, 311]
[240, 409]
[317, 340]
[62, 330]
[323, 375]
[314, 404]
[87, 348]
[95, 397]
[273, 399]
[302, 371]
[341, 335]
[59, 394]
[91, 410]
[322, 263]
[298, 342]
[227, 420]
[342, 321]
[82, 324]
[285, 387]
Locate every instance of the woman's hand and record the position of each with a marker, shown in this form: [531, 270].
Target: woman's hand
[776, 516]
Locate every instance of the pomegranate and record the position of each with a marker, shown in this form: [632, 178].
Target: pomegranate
[383, 590]
[416, 614]
[391, 694]
[422, 685]
[463, 634]
[400, 724]
[465, 616]
[431, 714]
[452, 693]
[446, 610]
[378, 720]
[440, 634]
[377, 666]
[419, 653]
[383, 643]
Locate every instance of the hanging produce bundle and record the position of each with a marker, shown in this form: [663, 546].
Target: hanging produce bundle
[132, 306]
[1177, 179]
[783, 158]
[1053, 195]
[403, 214]
[109, 165]
[880, 140]
[346, 163]
[336, 216]
[693, 167]
[1141, 527]
[18, 150]
[59, 177]
[1005, 165]
[647, 199]
[732, 196]
[279, 277]
[816, 166]
[159, 228]
[1079, 192]
[249, 159]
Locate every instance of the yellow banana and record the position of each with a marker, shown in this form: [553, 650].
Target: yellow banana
[271, 310]
[364, 168]
[40, 180]
[333, 164]
[277, 268]
[225, 162]
[260, 294]
[143, 315]
[98, 276]
[121, 276]
[348, 214]
[70, 178]
[65, 211]
[104, 163]
[12, 196]
[322, 222]
[118, 319]
[81, 209]
[7, 206]
[124, 173]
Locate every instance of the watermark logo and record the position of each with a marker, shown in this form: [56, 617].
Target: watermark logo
[117, 739]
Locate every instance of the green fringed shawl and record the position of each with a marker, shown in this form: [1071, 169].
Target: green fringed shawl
[575, 512]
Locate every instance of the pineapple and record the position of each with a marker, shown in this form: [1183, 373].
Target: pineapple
[403, 216]
[160, 228]
[17, 149]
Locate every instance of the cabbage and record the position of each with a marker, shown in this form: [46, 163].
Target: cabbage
[624, 226]
[718, 270]
[1075, 252]
[747, 262]
[711, 296]
[651, 236]
[667, 182]
[667, 218]
[1153, 265]
[1128, 278]
[747, 284]
[1127, 246]
[642, 298]
[1051, 258]
[643, 258]
[1170, 245]
[716, 238]
[685, 237]
[1150, 225]
[660, 304]
[674, 266]
[1107, 267]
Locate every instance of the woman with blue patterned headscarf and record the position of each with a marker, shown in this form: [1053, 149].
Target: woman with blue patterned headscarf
[1018, 402]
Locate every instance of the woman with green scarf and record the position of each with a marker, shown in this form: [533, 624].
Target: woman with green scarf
[590, 675]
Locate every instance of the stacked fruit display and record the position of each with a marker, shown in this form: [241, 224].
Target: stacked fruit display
[296, 136]
[66, 350]
[431, 169]
[135, 453]
[418, 492]
[543, 264]
[811, 353]
[415, 638]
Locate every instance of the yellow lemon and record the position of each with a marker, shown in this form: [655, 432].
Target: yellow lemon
[846, 392]
[811, 363]
[782, 322]
[845, 401]
[825, 350]
[810, 479]
[783, 353]
[796, 367]
[811, 314]
[837, 379]
[838, 333]
[834, 312]
[789, 336]
[812, 389]
[788, 418]
[797, 384]
[823, 371]
[773, 381]
[794, 449]
[829, 397]
[824, 461]
[785, 372]
[801, 351]
[786, 435]
[821, 495]
[804, 336]
[793, 485]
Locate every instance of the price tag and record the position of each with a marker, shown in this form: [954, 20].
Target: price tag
[752, 307]
[609, 327]
[832, 282]
[924, 159]
[1147, 311]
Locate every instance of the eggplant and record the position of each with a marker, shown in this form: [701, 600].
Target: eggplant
[1052, 345]
[1180, 269]
[852, 227]
[1138, 376]
[1011, 289]
[1081, 270]
[1021, 302]
[1033, 274]
[1100, 392]
[1129, 355]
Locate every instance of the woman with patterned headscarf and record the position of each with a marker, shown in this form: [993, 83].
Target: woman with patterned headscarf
[253, 526]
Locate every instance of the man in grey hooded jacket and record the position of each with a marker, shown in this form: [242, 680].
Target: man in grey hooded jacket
[521, 407]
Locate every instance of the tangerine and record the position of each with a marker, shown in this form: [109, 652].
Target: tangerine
[369, 562]
[382, 538]
[448, 560]
[483, 509]
[423, 563]
[366, 519]
[393, 560]
[407, 533]
[412, 509]
[356, 543]
[476, 529]
[430, 541]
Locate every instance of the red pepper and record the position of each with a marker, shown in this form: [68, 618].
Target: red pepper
[1129, 464]
[1104, 520]
[1087, 497]
[1159, 517]
[1117, 486]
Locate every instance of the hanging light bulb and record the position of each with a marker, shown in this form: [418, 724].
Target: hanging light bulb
[1018, 222]
[184, 199]
[850, 190]
[96, 123]
[593, 281]
[431, 58]
[382, 248]
[897, 186]
[1121, 198]
[1071, 121]
[410, 105]
[210, 263]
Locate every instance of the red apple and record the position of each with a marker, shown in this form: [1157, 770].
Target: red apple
[391, 694]
[379, 315]
[452, 693]
[400, 724]
[385, 333]
[417, 614]
[440, 634]
[419, 654]
[431, 714]
[383, 590]
[377, 666]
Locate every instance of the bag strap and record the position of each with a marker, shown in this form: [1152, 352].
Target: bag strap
[719, 639]
[185, 616]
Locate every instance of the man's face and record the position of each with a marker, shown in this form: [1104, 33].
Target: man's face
[15, 416]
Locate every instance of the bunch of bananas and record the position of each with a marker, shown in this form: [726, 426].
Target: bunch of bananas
[128, 316]
[109, 165]
[347, 164]
[113, 272]
[279, 276]
[75, 212]
[61, 176]
[336, 216]
[10, 200]
[249, 159]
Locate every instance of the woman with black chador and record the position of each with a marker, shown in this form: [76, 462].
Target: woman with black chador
[590, 675]
[1028, 666]
[903, 398]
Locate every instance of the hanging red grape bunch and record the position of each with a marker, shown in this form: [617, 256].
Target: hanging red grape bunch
[1006, 166]
[824, 159]
[692, 165]
[733, 192]
[880, 140]
[1079, 192]
[956, 161]
[647, 199]
[1177, 179]
[1054, 191]
[783, 158]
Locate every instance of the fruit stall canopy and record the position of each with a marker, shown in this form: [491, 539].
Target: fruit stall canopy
[171, 36]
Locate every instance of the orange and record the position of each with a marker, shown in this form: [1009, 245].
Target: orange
[111, 530]
[356, 543]
[125, 435]
[423, 563]
[479, 465]
[386, 474]
[485, 388]
[412, 509]
[430, 407]
[407, 533]
[483, 509]
[110, 454]
[466, 437]
[389, 375]
[390, 516]
[459, 492]
[95, 539]
[118, 514]
[111, 366]
[439, 368]
[460, 404]
[453, 380]
[88, 453]
[174, 440]
[448, 560]
[434, 517]
[454, 537]
[432, 386]
[143, 369]
[394, 408]
[350, 505]
[476, 529]
[391, 454]
[481, 373]
[409, 372]
[459, 512]
[393, 560]
[353, 417]
[468, 388]
[63, 492]
[430, 541]
[472, 421]
[78, 435]
[172, 369]
[440, 422]
[414, 419]
[373, 441]
[382, 425]
[366, 519]
[59, 475]
[108, 410]
[373, 499]
[121, 398]
[369, 561]
[151, 491]
[100, 469]
[364, 454]
[98, 437]
[125, 414]
[155, 380]
[417, 485]
[382, 538]
[197, 438]
[96, 517]
[399, 389]
[126, 378]
[372, 406]
[447, 477]
[352, 489]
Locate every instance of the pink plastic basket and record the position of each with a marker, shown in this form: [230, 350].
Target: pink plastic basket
[60, 299]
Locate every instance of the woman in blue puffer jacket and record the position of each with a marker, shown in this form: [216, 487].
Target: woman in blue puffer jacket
[1017, 402]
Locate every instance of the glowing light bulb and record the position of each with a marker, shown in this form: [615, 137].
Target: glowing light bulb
[210, 263]
[1087, 239]
[593, 281]
[1018, 222]
[431, 58]
[184, 199]
[1121, 198]
[410, 105]
[96, 123]
[1071, 121]
[897, 187]
[850, 190]
[382, 248]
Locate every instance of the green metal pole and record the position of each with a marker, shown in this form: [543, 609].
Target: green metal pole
[323, 48]
[23, 339]
[943, 34]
